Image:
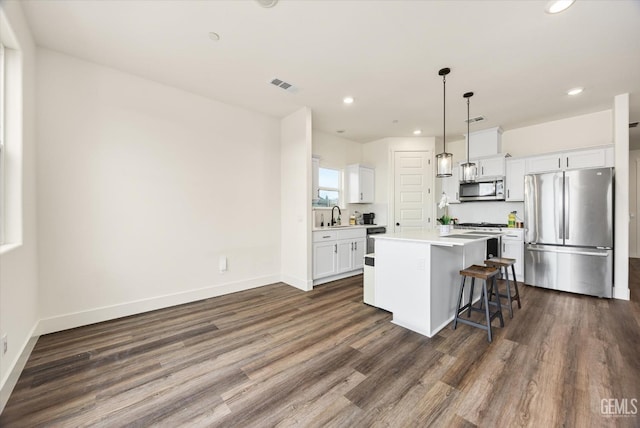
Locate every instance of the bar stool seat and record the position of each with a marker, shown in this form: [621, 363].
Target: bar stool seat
[484, 273]
[504, 263]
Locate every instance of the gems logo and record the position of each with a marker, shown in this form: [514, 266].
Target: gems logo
[619, 407]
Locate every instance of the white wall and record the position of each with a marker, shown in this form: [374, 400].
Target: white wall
[594, 129]
[380, 155]
[336, 153]
[141, 188]
[634, 200]
[295, 189]
[620, 136]
[18, 262]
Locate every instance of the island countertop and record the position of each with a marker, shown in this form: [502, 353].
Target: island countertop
[456, 238]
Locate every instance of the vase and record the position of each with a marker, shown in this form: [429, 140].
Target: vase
[445, 229]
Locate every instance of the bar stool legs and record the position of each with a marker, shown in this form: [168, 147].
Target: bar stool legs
[504, 263]
[484, 273]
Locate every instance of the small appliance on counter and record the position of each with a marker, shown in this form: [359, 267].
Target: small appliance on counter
[369, 218]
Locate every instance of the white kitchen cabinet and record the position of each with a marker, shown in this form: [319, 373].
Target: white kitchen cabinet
[514, 177]
[324, 259]
[490, 167]
[361, 184]
[586, 159]
[589, 158]
[338, 252]
[451, 186]
[513, 248]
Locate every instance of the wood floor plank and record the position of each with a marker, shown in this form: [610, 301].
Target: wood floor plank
[277, 356]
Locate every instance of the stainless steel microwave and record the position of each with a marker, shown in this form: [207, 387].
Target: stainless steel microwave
[482, 190]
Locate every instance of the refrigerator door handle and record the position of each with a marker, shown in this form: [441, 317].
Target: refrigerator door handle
[559, 212]
[581, 253]
[567, 206]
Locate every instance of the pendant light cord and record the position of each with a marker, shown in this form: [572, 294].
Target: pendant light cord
[444, 113]
[468, 132]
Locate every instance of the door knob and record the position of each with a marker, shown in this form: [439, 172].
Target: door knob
[397, 224]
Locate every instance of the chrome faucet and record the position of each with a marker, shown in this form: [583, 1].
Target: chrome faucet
[333, 220]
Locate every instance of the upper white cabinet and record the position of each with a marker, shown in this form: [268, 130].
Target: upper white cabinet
[490, 167]
[590, 158]
[514, 177]
[451, 186]
[485, 143]
[361, 184]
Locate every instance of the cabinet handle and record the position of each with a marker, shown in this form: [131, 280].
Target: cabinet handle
[356, 245]
[503, 247]
[567, 162]
[326, 236]
[482, 169]
[352, 246]
[457, 197]
[558, 163]
[508, 190]
[360, 195]
[335, 248]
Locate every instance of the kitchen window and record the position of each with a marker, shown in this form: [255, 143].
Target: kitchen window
[329, 185]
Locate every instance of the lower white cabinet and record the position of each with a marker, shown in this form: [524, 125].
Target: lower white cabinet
[513, 248]
[338, 252]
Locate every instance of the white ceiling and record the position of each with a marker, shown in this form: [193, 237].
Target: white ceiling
[517, 59]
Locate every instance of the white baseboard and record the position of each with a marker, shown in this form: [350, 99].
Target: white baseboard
[302, 284]
[91, 316]
[337, 277]
[15, 369]
[621, 293]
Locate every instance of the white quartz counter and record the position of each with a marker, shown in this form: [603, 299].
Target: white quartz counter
[348, 226]
[433, 237]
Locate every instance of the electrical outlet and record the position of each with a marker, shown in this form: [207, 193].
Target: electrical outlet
[5, 344]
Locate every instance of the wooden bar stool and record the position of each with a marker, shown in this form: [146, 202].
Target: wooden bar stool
[504, 263]
[483, 273]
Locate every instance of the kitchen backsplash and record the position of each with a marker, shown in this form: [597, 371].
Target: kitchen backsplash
[379, 209]
[490, 212]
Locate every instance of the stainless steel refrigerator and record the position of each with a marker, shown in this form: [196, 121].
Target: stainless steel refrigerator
[568, 219]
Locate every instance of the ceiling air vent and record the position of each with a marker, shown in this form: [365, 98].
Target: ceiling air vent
[284, 85]
[475, 119]
[633, 125]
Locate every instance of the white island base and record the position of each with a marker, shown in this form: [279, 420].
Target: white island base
[417, 277]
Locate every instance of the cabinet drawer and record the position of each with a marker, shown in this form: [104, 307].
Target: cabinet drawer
[325, 235]
[351, 233]
[513, 235]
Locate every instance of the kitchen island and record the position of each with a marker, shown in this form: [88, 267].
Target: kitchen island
[417, 275]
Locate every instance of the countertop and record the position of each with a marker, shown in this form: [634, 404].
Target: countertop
[347, 226]
[433, 237]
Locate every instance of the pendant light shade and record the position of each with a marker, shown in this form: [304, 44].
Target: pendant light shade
[444, 160]
[469, 169]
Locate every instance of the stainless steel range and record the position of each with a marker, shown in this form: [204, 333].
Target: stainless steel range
[488, 229]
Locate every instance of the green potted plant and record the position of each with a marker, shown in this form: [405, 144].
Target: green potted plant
[445, 220]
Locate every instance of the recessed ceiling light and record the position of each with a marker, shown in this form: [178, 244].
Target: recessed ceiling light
[348, 100]
[214, 36]
[557, 6]
[417, 132]
[575, 91]
[267, 3]
[395, 121]
[340, 131]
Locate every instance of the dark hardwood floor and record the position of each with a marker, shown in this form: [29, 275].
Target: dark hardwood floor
[276, 356]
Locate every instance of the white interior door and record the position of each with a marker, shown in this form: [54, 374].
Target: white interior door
[413, 197]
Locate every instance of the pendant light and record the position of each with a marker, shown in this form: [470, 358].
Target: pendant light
[468, 168]
[444, 160]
